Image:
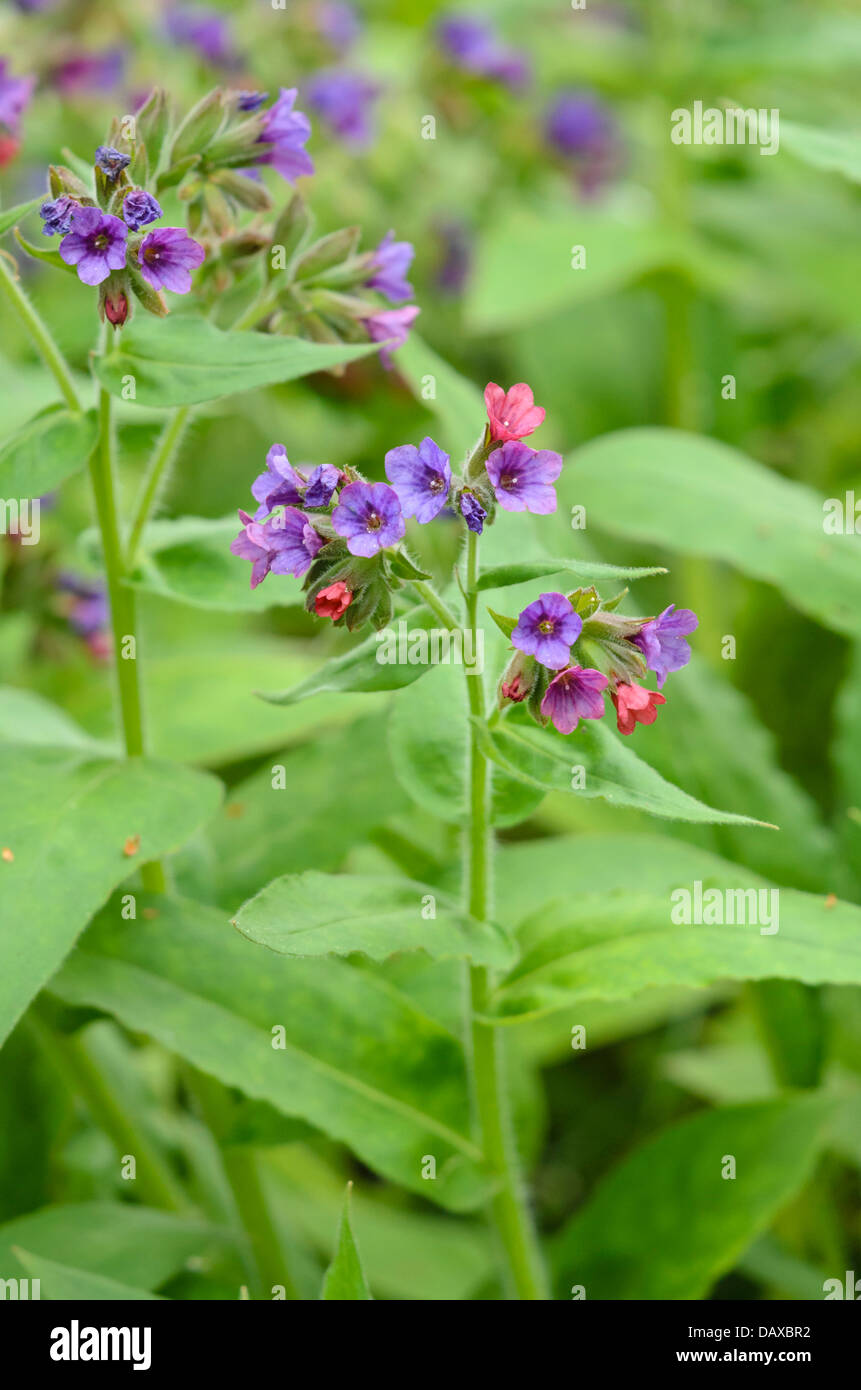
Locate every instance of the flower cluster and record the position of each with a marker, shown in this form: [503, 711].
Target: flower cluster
[556, 637]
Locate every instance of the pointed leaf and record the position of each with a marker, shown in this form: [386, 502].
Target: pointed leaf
[345, 1277]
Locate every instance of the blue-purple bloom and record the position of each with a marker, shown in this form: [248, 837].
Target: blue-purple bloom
[285, 545]
[96, 245]
[662, 641]
[579, 128]
[391, 326]
[473, 513]
[369, 517]
[15, 94]
[547, 629]
[574, 694]
[338, 24]
[453, 271]
[322, 482]
[392, 260]
[139, 209]
[81, 73]
[207, 31]
[286, 131]
[421, 478]
[250, 101]
[523, 478]
[111, 161]
[475, 47]
[345, 101]
[167, 257]
[280, 485]
[57, 215]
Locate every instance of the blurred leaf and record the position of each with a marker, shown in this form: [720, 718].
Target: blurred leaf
[832, 150]
[10, 216]
[52, 446]
[846, 759]
[188, 559]
[359, 1061]
[184, 360]
[701, 497]
[360, 668]
[628, 1241]
[611, 769]
[345, 1277]
[26, 717]
[61, 1282]
[454, 399]
[314, 914]
[519, 571]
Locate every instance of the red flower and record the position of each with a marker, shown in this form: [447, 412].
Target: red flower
[634, 705]
[333, 601]
[513, 414]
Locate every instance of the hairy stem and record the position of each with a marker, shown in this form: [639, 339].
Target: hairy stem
[162, 457]
[39, 332]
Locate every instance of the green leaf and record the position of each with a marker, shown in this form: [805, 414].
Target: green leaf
[50, 448]
[519, 571]
[188, 559]
[458, 404]
[345, 1277]
[832, 150]
[429, 747]
[314, 914]
[66, 815]
[610, 769]
[701, 497]
[360, 668]
[628, 1241]
[107, 1239]
[359, 1060]
[46, 254]
[11, 216]
[183, 360]
[60, 1281]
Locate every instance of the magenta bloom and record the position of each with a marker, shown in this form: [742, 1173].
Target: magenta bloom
[286, 131]
[96, 245]
[294, 541]
[139, 209]
[344, 100]
[279, 485]
[523, 478]
[15, 94]
[252, 544]
[392, 260]
[369, 517]
[167, 257]
[662, 641]
[421, 477]
[81, 72]
[573, 695]
[547, 629]
[512, 414]
[391, 324]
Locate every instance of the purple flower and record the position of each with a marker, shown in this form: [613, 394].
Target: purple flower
[280, 485]
[294, 542]
[82, 73]
[57, 215]
[522, 477]
[472, 512]
[473, 45]
[252, 544]
[111, 161]
[455, 241]
[547, 629]
[139, 209]
[391, 324]
[392, 260]
[662, 641]
[206, 31]
[573, 695]
[15, 94]
[421, 477]
[344, 100]
[96, 245]
[89, 612]
[250, 101]
[579, 128]
[322, 482]
[368, 516]
[338, 24]
[286, 131]
[167, 257]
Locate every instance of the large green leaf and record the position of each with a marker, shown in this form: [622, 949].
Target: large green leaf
[66, 817]
[520, 571]
[666, 1223]
[46, 451]
[9, 217]
[701, 497]
[189, 559]
[183, 360]
[59, 1282]
[832, 150]
[359, 1060]
[360, 669]
[608, 769]
[345, 1277]
[314, 914]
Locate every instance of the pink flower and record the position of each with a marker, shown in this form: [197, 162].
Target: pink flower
[574, 694]
[333, 601]
[635, 705]
[391, 327]
[513, 414]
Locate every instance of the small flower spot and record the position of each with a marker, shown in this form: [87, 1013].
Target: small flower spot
[132, 846]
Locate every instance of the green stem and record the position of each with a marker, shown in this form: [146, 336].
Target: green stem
[41, 336]
[509, 1205]
[122, 605]
[162, 457]
[436, 604]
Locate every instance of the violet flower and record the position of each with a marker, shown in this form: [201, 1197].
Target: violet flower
[206, 31]
[81, 73]
[574, 694]
[547, 629]
[287, 131]
[322, 482]
[15, 94]
[139, 209]
[473, 45]
[391, 324]
[96, 245]
[338, 24]
[345, 100]
[294, 541]
[662, 641]
[580, 129]
[523, 478]
[167, 257]
[279, 485]
[369, 517]
[392, 260]
[111, 161]
[473, 513]
[421, 477]
[57, 215]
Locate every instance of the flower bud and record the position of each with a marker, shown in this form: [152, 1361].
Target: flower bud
[518, 679]
[200, 126]
[63, 181]
[290, 233]
[153, 124]
[113, 299]
[247, 192]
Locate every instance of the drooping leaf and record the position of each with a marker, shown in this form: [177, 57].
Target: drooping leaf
[10, 216]
[189, 559]
[520, 571]
[314, 914]
[362, 669]
[681, 1209]
[59, 1282]
[47, 450]
[183, 360]
[345, 1277]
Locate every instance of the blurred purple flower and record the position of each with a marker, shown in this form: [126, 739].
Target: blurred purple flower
[207, 31]
[15, 94]
[81, 73]
[250, 101]
[391, 324]
[455, 241]
[473, 45]
[338, 24]
[580, 128]
[573, 695]
[547, 629]
[286, 131]
[167, 257]
[344, 100]
[139, 209]
[421, 477]
[88, 614]
[392, 260]
[369, 517]
[96, 245]
[662, 641]
[523, 478]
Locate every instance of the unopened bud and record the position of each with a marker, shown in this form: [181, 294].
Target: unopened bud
[200, 126]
